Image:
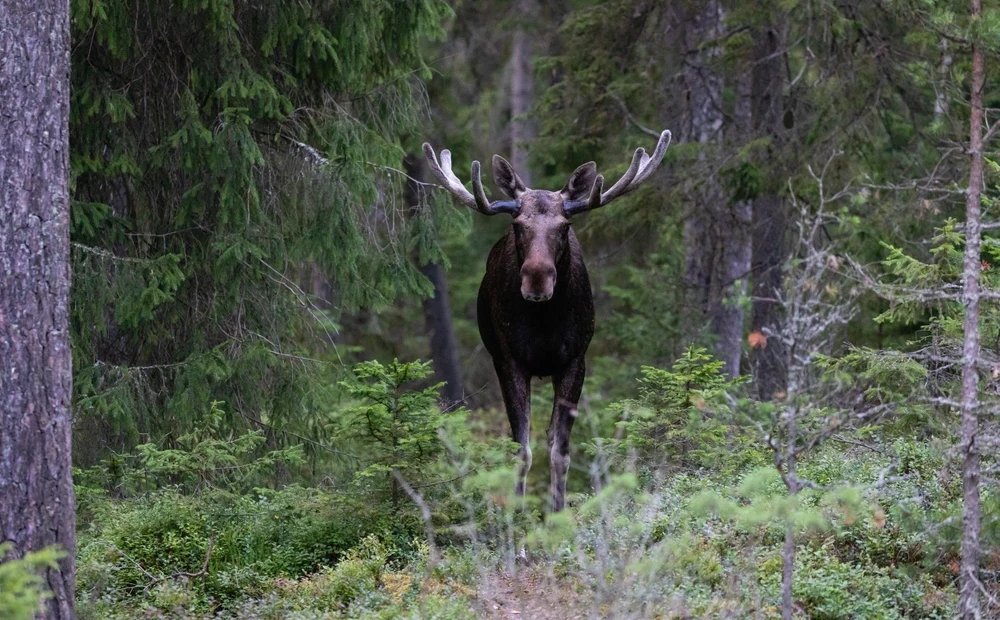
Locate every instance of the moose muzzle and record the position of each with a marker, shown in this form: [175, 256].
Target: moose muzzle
[538, 281]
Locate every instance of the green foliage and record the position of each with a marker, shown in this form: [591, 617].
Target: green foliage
[356, 575]
[22, 587]
[218, 153]
[210, 455]
[135, 548]
[397, 428]
[679, 418]
[829, 589]
[914, 285]
[760, 500]
[699, 545]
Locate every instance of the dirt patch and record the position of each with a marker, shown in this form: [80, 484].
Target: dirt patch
[529, 593]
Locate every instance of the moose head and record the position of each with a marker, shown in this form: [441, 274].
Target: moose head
[535, 307]
[541, 217]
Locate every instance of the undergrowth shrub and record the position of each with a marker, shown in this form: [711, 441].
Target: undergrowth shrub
[680, 420]
[22, 587]
[397, 427]
[690, 530]
[827, 588]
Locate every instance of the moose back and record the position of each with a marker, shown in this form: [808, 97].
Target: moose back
[535, 306]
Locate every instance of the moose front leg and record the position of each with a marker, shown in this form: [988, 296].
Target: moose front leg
[515, 386]
[568, 387]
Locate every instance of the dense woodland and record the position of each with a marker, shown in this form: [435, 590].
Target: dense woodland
[218, 227]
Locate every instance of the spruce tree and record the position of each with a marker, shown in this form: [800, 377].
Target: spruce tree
[219, 150]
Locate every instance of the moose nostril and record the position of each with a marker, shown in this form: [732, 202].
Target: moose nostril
[536, 297]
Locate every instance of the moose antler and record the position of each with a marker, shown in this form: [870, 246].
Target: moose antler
[442, 170]
[642, 167]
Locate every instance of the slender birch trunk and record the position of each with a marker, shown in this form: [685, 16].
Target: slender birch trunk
[968, 578]
[788, 551]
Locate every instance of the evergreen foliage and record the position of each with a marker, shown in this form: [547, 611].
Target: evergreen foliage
[398, 429]
[22, 587]
[218, 152]
[679, 420]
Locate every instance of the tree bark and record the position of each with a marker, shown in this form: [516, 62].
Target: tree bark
[788, 550]
[716, 237]
[36, 488]
[770, 223]
[444, 345]
[737, 253]
[969, 577]
[437, 309]
[703, 125]
[522, 86]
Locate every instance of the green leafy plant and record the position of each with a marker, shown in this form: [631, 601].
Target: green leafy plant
[397, 424]
[22, 588]
[679, 418]
[212, 454]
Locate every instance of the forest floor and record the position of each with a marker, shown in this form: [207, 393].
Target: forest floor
[529, 593]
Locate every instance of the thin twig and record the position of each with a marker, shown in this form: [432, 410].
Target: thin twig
[425, 512]
[200, 573]
[633, 120]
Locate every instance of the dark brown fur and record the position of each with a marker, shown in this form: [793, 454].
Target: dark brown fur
[531, 339]
[536, 309]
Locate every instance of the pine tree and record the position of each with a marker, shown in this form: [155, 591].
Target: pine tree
[36, 487]
[969, 446]
[218, 149]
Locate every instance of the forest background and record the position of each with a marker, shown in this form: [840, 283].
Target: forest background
[777, 420]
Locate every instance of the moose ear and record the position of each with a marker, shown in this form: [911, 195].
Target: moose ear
[580, 182]
[506, 179]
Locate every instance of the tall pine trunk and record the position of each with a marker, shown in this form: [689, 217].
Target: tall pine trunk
[969, 576]
[716, 240]
[36, 488]
[770, 223]
[522, 87]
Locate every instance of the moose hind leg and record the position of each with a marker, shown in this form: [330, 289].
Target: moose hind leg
[516, 389]
[568, 387]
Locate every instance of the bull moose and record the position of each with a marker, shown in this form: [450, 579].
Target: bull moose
[535, 306]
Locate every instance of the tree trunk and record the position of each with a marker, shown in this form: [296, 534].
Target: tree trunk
[521, 90]
[788, 550]
[703, 125]
[36, 488]
[437, 309]
[770, 368]
[444, 346]
[770, 221]
[969, 577]
[736, 256]
[716, 239]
